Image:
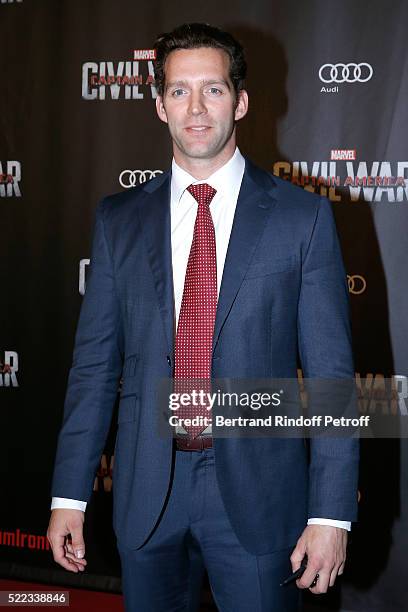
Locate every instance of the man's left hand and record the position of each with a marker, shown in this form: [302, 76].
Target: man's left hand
[325, 547]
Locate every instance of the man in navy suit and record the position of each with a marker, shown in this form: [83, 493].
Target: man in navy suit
[248, 510]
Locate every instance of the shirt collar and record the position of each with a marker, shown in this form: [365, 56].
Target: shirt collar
[223, 180]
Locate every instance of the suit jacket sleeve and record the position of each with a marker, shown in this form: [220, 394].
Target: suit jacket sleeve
[94, 376]
[325, 350]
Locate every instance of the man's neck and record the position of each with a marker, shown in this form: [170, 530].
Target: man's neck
[201, 169]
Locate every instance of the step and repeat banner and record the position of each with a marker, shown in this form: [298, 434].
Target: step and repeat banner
[328, 94]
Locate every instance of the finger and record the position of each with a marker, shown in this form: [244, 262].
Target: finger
[341, 569]
[58, 547]
[77, 562]
[70, 548]
[333, 576]
[308, 575]
[314, 565]
[58, 551]
[296, 557]
[78, 540]
[66, 564]
[71, 555]
[322, 583]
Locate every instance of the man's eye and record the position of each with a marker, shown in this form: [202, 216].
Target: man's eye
[178, 92]
[215, 90]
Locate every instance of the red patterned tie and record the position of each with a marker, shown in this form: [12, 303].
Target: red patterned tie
[193, 347]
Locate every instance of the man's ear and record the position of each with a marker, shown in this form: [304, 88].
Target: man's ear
[241, 108]
[161, 111]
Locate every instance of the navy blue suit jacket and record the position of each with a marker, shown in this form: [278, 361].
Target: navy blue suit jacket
[284, 292]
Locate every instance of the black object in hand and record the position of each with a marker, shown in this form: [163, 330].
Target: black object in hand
[298, 574]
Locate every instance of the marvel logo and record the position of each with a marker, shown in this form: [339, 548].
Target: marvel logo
[144, 54]
[349, 154]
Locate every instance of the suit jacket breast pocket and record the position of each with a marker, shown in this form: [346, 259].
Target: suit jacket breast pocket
[277, 265]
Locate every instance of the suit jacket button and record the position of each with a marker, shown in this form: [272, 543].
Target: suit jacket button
[168, 360]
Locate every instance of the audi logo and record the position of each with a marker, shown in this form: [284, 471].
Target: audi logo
[346, 73]
[131, 178]
[356, 284]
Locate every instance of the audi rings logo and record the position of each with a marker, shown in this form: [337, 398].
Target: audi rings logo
[346, 73]
[131, 178]
[356, 284]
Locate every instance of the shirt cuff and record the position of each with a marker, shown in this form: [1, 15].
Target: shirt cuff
[323, 521]
[65, 502]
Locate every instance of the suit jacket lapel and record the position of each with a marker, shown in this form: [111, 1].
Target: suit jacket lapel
[255, 201]
[254, 204]
[155, 223]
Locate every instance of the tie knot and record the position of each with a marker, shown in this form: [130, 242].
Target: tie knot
[203, 193]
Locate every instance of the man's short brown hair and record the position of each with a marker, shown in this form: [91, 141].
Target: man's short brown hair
[194, 36]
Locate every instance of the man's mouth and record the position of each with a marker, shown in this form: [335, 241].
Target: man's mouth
[197, 128]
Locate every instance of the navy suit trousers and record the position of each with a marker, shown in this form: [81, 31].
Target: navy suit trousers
[192, 535]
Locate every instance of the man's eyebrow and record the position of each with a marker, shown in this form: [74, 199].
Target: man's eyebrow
[216, 82]
[203, 82]
[174, 83]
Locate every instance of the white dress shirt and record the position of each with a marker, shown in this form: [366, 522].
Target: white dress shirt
[183, 211]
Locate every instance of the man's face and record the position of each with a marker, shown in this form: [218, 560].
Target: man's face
[199, 103]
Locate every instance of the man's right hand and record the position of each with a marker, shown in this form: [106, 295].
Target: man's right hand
[69, 554]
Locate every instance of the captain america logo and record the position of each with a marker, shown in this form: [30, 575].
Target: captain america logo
[10, 178]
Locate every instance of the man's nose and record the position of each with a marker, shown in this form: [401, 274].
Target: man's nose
[197, 104]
